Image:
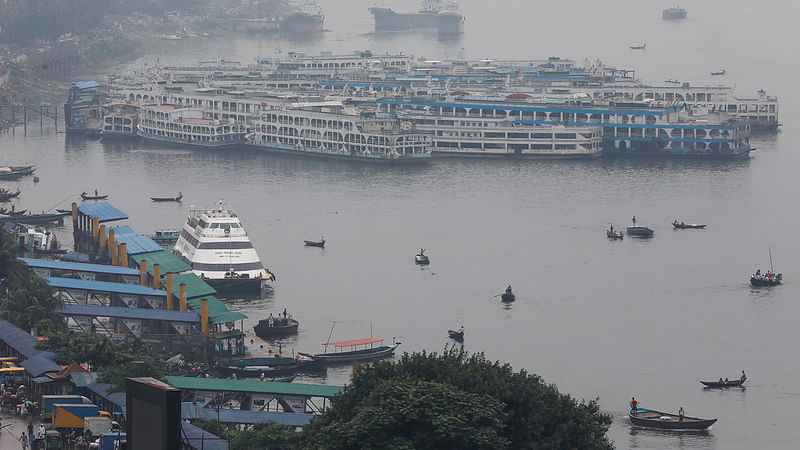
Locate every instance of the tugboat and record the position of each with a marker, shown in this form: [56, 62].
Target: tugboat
[421, 259]
[214, 243]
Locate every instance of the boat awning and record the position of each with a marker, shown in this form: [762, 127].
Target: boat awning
[355, 342]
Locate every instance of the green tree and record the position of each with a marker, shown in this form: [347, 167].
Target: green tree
[9, 264]
[534, 413]
[31, 302]
[264, 436]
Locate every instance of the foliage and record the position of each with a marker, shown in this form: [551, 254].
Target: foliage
[535, 414]
[407, 414]
[31, 302]
[114, 359]
[266, 436]
[9, 264]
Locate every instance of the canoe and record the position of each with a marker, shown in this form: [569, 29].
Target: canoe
[279, 328]
[320, 244]
[638, 230]
[304, 364]
[421, 259]
[657, 419]
[686, 226]
[94, 197]
[508, 297]
[167, 199]
[456, 335]
[722, 384]
[760, 281]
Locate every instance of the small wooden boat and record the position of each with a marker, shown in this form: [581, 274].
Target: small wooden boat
[657, 419]
[320, 243]
[421, 259]
[640, 231]
[614, 234]
[719, 72]
[8, 195]
[279, 328]
[12, 212]
[456, 335]
[168, 199]
[723, 384]
[269, 371]
[364, 354]
[759, 280]
[638, 47]
[685, 226]
[85, 196]
[508, 295]
[12, 172]
[304, 364]
[34, 218]
[64, 211]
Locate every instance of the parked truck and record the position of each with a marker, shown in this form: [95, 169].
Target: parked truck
[49, 400]
[99, 425]
[108, 440]
[73, 415]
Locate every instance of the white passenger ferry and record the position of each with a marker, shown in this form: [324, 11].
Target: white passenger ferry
[326, 129]
[189, 126]
[215, 244]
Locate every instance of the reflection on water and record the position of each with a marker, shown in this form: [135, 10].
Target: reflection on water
[653, 438]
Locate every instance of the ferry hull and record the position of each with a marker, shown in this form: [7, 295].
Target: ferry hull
[185, 143]
[445, 23]
[483, 155]
[311, 153]
[302, 23]
[246, 287]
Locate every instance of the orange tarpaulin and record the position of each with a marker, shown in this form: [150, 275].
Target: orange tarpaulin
[355, 342]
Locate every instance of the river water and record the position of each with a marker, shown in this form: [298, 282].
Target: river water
[645, 318]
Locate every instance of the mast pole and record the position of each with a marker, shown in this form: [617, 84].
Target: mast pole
[770, 260]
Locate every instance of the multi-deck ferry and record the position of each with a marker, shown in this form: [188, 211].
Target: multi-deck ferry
[189, 126]
[327, 129]
[215, 244]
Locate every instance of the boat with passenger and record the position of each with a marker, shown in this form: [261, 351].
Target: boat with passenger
[766, 279]
[13, 172]
[685, 226]
[508, 295]
[723, 383]
[651, 418]
[189, 126]
[275, 327]
[673, 14]
[320, 243]
[215, 244]
[329, 130]
[355, 352]
[422, 259]
[165, 237]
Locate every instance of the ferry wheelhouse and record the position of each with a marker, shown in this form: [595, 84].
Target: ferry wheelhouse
[326, 129]
[215, 244]
[189, 126]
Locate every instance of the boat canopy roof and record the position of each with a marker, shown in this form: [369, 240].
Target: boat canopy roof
[355, 342]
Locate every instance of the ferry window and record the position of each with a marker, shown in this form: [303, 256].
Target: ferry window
[542, 147]
[542, 136]
[214, 225]
[203, 223]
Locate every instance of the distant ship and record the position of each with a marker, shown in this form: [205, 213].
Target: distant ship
[673, 13]
[432, 16]
[308, 20]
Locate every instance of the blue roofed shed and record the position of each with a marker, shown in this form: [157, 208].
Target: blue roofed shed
[86, 84]
[120, 312]
[138, 244]
[103, 211]
[18, 341]
[201, 439]
[41, 364]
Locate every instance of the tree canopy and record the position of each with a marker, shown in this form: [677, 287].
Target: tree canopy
[455, 400]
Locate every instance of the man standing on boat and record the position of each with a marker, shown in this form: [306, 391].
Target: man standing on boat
[271, 320]
[634, 220]
[634, 405]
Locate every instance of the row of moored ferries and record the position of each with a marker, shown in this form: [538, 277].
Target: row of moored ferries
[394, 109]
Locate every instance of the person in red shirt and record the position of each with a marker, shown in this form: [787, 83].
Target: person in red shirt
[634, 405]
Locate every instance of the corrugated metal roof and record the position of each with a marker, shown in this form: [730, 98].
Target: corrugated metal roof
[169, 263]
[40, 364]
[42, 380]
[81, 267]
[138, 244]
[121, 230]
[217, 310]
[195, 287]
[101, 389]
[18, 339]
[104, 211]
[130, 313]
[262, 387]
[193, 411]
[86, 84]
[103, 286]
[201, 439]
